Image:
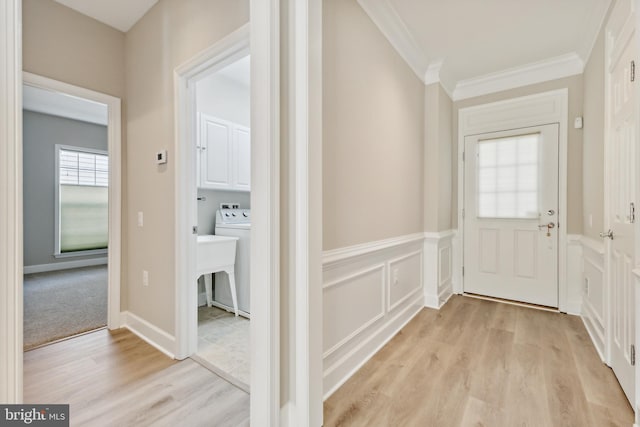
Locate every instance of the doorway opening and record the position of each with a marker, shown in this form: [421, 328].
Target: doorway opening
[71, 175]
[223, 181]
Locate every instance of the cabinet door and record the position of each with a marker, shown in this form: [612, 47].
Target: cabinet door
[216, 139]
[242, 158]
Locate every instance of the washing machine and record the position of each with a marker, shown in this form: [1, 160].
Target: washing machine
[235, 223]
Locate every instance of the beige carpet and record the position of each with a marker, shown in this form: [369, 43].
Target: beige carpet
[60, 304]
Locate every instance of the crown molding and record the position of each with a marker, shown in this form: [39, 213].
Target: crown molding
[537, 72]
[435, 74]
[386, 18]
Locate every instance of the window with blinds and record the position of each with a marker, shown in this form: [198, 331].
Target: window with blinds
[83, 200]
[508, 177]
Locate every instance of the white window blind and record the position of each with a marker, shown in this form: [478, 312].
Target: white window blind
[508, 177]
[82, 168]
[83, 200]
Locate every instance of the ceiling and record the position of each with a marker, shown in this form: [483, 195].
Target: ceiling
[119, 14]
[61, 105]
[457, 41]
[238, 71]
[472, 47]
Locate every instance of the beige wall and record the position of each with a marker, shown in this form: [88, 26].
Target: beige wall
[574, 174]
[437, 159]
[65, 45]
[169, 34]
[373, 132]
[593, 143]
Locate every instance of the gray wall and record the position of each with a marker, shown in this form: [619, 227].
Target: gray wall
[207, 208]
[41, 133]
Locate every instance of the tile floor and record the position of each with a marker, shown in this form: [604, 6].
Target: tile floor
[223, 344]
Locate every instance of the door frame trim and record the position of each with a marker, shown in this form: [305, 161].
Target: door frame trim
[11, 238]
[260, 39]
[521, 112]
[114, 149]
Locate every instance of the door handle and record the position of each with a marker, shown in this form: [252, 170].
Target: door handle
[608, 234]
[547, 226]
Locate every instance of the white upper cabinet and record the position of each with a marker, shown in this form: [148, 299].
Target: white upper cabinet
[242, 158]
[224, 150]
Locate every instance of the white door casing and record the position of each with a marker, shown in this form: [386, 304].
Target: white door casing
[511, 212]
[114, 136]
[516, 113]
[620, 190]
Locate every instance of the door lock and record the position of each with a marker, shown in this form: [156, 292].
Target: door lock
[551, 212]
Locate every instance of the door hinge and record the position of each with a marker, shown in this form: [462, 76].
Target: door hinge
[462, 271]
[632, 212]
[633, 71]
[462, 213]
[632, 355]
[194, 229]
[463, 156]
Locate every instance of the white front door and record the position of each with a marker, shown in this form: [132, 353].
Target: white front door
[511, 215]
[621, 191]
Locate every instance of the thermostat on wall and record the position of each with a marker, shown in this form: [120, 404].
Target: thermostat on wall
[161, 157]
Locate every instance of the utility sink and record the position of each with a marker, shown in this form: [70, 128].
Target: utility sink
[216, 253]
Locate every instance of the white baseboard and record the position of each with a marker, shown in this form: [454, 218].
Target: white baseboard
[65, 265]
[574, 307]
[432, 301]
[153, 335]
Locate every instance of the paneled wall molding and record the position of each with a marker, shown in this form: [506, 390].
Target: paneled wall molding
[574, 274]
[438, 263]
[593, 292]
[370, 291]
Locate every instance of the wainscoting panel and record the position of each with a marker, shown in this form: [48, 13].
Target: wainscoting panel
[370, 292]
[594, 292]
[438, 261]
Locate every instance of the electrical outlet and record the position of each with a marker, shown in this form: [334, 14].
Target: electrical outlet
[145, 278]
[140, 219]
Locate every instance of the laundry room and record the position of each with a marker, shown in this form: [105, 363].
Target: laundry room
[223, 148]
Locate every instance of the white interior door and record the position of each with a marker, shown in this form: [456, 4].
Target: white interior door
[621, 191]
[511, 215]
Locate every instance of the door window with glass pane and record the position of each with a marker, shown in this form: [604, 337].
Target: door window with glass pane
[508, 177]
[83, 199]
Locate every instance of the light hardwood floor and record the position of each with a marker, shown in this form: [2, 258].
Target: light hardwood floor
[116, 379]
[483, 363]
